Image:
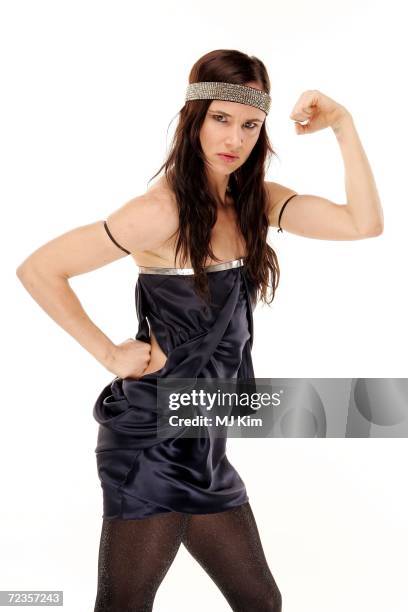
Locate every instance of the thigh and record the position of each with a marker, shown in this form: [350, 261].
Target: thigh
[228, 546]
[134, 557]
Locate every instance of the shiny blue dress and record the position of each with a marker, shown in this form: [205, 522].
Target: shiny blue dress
[140, 474]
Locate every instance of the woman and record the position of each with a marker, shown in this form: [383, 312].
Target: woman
[199, 237]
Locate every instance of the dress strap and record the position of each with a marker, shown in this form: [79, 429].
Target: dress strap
[282, 209]
[105, 225]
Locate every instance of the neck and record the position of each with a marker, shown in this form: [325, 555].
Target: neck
[219, 185]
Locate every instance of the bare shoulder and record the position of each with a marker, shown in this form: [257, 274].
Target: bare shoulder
[143, 227]
[147, 221]
[277, 194]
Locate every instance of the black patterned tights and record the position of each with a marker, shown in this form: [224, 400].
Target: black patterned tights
[135, 555]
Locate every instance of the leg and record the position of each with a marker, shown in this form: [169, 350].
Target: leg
[134, 557]
[228, 547]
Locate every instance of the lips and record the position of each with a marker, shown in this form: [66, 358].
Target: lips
[227, 156]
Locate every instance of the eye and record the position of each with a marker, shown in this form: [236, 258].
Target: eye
[217, 117]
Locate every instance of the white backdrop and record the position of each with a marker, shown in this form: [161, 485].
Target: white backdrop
[88, 92]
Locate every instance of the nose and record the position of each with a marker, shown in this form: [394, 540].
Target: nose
[234, 137]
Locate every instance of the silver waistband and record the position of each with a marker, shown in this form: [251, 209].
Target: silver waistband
[224, 265]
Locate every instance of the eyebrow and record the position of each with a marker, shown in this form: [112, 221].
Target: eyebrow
[220, 112]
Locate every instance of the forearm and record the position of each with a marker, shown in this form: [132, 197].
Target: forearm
[362, 196]
[56, 297]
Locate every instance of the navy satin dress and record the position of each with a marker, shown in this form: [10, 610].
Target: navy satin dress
[142, 475]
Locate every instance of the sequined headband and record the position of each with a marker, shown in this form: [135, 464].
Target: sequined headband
[215, 90]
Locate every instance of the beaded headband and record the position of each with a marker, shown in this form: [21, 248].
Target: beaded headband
[215, 90]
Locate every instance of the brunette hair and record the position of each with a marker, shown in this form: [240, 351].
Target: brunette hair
[197, 204]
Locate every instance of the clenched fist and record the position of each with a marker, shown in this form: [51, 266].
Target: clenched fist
[130, 358]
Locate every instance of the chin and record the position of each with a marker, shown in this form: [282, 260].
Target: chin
[227, 168]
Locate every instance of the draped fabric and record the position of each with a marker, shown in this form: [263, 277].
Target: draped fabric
[142, 474]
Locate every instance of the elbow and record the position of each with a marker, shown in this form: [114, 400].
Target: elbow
[32, 270]
[368, 227]
[26, 275]
[28, 270]
[374, 231]
[22, 271]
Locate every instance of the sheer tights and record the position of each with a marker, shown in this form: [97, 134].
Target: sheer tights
[135, 555]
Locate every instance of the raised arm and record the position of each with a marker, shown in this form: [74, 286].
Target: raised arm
[316, 217]
[143, 223]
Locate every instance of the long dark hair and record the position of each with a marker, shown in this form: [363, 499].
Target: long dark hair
[197, 204]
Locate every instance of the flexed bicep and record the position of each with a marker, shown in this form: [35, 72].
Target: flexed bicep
[310, 216]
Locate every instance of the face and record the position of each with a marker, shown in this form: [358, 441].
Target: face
[230, 127]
